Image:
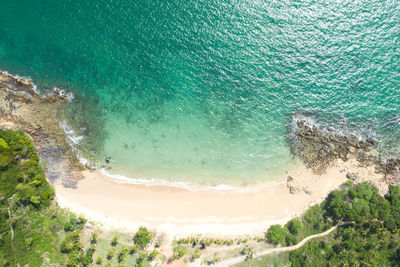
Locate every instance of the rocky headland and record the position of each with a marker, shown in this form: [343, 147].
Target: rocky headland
[21, 107]
[319, 147]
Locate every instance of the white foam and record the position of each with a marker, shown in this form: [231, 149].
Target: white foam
[74, 141]
[69, 95]
[18, 77]
[177, 184]
[62, 93]
[72, 136]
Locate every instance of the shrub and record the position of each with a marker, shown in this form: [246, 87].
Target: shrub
[179, 252]
[291, 240]
[93, 237]
[294, 226]
[196, 255]
[153, 254]
[114, 241]
[111, 253]
[133, 249]
[99, 260]
[142, 237]
[5, 153]
[276, 235]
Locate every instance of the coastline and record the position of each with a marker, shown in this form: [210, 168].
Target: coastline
[179, 212]
[174, 211]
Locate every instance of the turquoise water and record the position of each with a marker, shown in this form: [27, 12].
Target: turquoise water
[203, 91]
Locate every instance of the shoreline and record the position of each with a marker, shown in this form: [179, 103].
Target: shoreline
[178, 213]
[175, 211]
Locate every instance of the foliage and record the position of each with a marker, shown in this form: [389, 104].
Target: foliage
[21, 175]
[205, 242]
[276, 234]
[5, 153]
[26, 208]
[114, 241]
[111, 253]
[74, 224]
[179, 252]
[153, 254]
[213, 261]
[248, 252]
[196, 255]
[142, 237]
[141, 260]
[278, 260]
[372, 239]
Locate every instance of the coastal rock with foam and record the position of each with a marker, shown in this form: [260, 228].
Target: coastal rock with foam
[319, 147]
[21, 107]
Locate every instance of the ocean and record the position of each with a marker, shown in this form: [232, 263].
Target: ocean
[204, 92]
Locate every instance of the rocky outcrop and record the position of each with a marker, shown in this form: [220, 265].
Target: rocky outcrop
[318, 147]
[22, 108]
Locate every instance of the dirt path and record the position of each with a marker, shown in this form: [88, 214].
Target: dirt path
[237, 260]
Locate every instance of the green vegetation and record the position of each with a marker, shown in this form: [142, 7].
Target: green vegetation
[35, 232]
[28, 226]
[276, 259]
[371, 238]
[142, 237]
[31, 223]
[206, 242]
[179, 252]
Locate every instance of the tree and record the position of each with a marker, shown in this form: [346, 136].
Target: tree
[291, 240]
[111, 253]
[361, 210]
[365, 191]
[5, 153]
[99, 260]
[93, 237]
[313, 219]
[294, 226]
[133, 249]
[335, 203]
[114, 241]
[141, 259]
[153, 255]
[142, 237]
[276, 234]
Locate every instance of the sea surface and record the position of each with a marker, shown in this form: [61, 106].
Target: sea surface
[204, 91]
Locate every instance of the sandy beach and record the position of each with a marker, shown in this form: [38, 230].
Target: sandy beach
[179, 212]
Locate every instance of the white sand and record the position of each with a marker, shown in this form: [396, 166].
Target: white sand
[179, 212]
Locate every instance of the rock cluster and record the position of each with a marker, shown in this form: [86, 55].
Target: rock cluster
[319, 147]
[295, 187]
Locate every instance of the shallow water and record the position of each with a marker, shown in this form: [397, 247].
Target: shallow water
[203, 91]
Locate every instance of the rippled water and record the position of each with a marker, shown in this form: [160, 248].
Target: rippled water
[203, 90]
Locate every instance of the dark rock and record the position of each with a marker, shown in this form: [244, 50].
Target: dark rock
[352, 176]
[318, 148]
[293, 190]
[372, 141]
